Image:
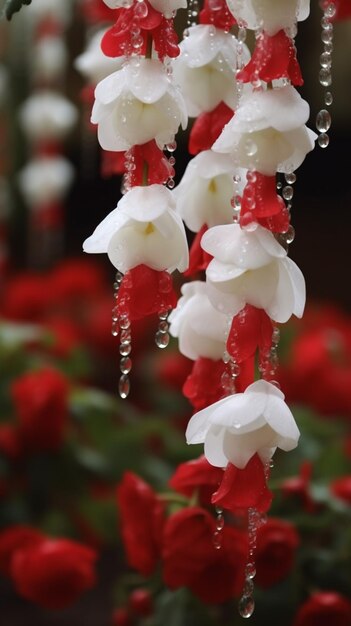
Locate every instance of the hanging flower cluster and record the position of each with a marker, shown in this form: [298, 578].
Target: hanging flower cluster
[250, 128]
[138, 110]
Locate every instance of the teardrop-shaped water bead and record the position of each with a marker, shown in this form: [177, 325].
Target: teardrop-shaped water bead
[125, 365]
[246, 606]
[325, 77]
[323, 121]
[161, 339]
[124, 386]
[328, 98]
[323, 140]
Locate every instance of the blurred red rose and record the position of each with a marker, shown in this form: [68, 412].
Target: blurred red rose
[324, 608]
[191, 560]
[141, 603]
[65, 335]
[77, 279]
[319, 370]
[299, 487]
[341, 488]
[26, 297]
[277, 541]
[142, 520]
[343, 9]
[197, 476]
[41, 404]
[14, 538]
[54, 573]
[10, 442]
[172, 369]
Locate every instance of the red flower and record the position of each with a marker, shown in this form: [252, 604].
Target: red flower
[159, 169]
[75, 280]
[145, 291]
[277, 542]
[26, 297]
[142, 519]
[274, 57]
[207, 128]
[16, 538]
[40, 400]
[172, 369]
[10, 443]
[250, 329]
[298, 486]
[197, 476]
[260, 203]
[204, 385]
[343, 9]
[220, 17]
[325, 608]
[341, 488]
[96, 11]
[198, 258]
[241, 489]
[53, 573]
[140, 602]
[191, 560]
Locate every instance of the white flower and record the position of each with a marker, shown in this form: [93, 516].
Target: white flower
[268, 132]
[204, 194]
[200, 328]
[93, 63]
[243, 424]
[45, 180]
[143, 229]
[271, 15]
[49, 58]
[252, 268]
[47, 115]
[167, 7]
[205, 69]
[137, 104]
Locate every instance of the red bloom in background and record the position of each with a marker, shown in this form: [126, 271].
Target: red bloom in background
[325, 608]
[277, 541]
[241, 489]
[319, 370]
[341, 488]
[10, 443]
[172, 369]
[26, 297]
[54, 572]
[343, 9]
[197, 476]
[191, 560]
[299, 487]
[142, 520]
[41, 405]
[16, 538]
[75, 280]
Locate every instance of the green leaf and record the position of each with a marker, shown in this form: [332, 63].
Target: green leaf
[13, 6]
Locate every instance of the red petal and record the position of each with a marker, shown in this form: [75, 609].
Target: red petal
[198, 258]
[273, 58]
[220, 17]
[242, 489]
[207, 128]
[145, 291]
[251, 329]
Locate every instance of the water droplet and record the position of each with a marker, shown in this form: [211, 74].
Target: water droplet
[248, 587]
[250, 570]
[323, 140]
[246, 606]
[250, 147]
[170, 183]
[124, 386]
[325, 77]
[217, 540]
[171, 146]
[141, 9]
[325, 60]
[328, 98]
[124, 322]
[323, 121]
[126, 336]
[287, 192]
[161, 339]
[328, 47]
[330, 10]
[327, 36]
[125, 365]
[290, 178]
[125, 349]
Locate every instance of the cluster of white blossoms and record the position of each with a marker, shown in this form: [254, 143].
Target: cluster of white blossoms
[143, 101]
[267, 134]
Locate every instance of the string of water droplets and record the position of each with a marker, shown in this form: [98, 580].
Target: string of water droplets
[323, 119]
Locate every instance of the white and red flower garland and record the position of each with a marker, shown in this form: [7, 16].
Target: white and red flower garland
[250, 126]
